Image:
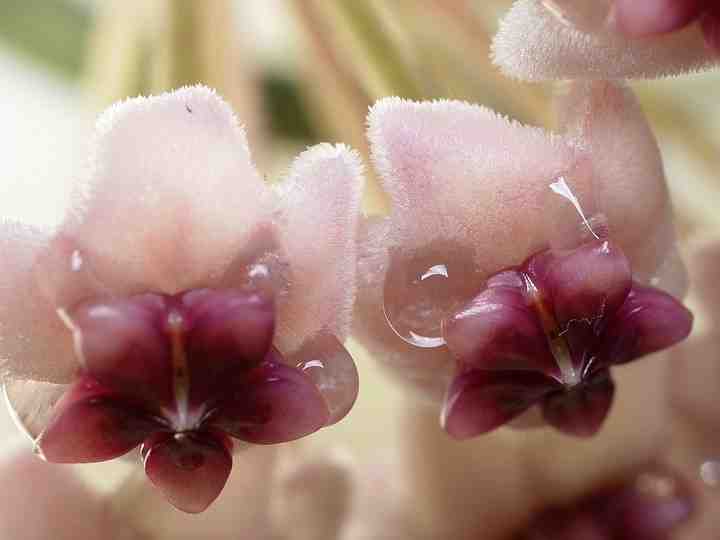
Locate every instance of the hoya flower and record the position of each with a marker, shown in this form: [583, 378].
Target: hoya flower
[607, 39]
[184, 305]
[521, 266]
[650, 505]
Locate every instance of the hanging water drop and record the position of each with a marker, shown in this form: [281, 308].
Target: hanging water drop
[422, 291]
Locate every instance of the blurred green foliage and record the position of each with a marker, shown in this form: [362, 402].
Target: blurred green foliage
[54, 32]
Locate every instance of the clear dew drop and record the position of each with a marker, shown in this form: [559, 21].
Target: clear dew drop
[421, 292]
[710, 473]
[584, 15]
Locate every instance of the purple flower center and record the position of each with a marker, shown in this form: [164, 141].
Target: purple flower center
[547, 332]
[181, 375]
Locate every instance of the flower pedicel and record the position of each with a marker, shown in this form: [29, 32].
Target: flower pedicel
[183, 305]
[519, 268]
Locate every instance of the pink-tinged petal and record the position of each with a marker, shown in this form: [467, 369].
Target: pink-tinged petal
[273, 404]
[92, 424]
[321, 200]
[230, 332]
[191, 469]
[40, 501]
[150, 212]
[585, 284]
[32, 403]
[534, 44]
[500, 331]
[649, 506]
[581, 411]
[123, 344]
[650, 320]
[34, 342]
[625, 163]
[641, 19]
[463, 175]
[480, 401]
[329, 365]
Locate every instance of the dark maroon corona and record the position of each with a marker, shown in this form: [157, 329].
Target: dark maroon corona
[181, 375]
[546, 333]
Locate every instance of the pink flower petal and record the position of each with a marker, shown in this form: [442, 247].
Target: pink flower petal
[91, 425]
[190, 469]
[534, 44]
[461, 174]
[479, 401]
[173, 194]
[626, 167]
[34, 342]
[321, 200]
[274, 403]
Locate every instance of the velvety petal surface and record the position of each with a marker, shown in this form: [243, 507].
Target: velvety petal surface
[461, 174]
[172, 194]
[34, 342]
[480, 401]
[621, 154]
[535, 44]
[190, 469]
[91, 424]
[321, 199]
[274, 403]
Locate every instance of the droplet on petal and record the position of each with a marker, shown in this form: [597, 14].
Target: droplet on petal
[585, 15]
[329, 365]
[422, 290]
[190, 469]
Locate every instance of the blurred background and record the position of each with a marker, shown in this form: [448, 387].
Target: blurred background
[297, 72]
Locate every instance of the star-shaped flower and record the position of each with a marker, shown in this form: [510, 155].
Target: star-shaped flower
[547, 333]
[454, 295]
[599, 39]
[183, 303]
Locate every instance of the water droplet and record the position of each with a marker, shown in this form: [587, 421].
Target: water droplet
[710, 473]
[584, 15]
[326, 361]
[422, 291]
